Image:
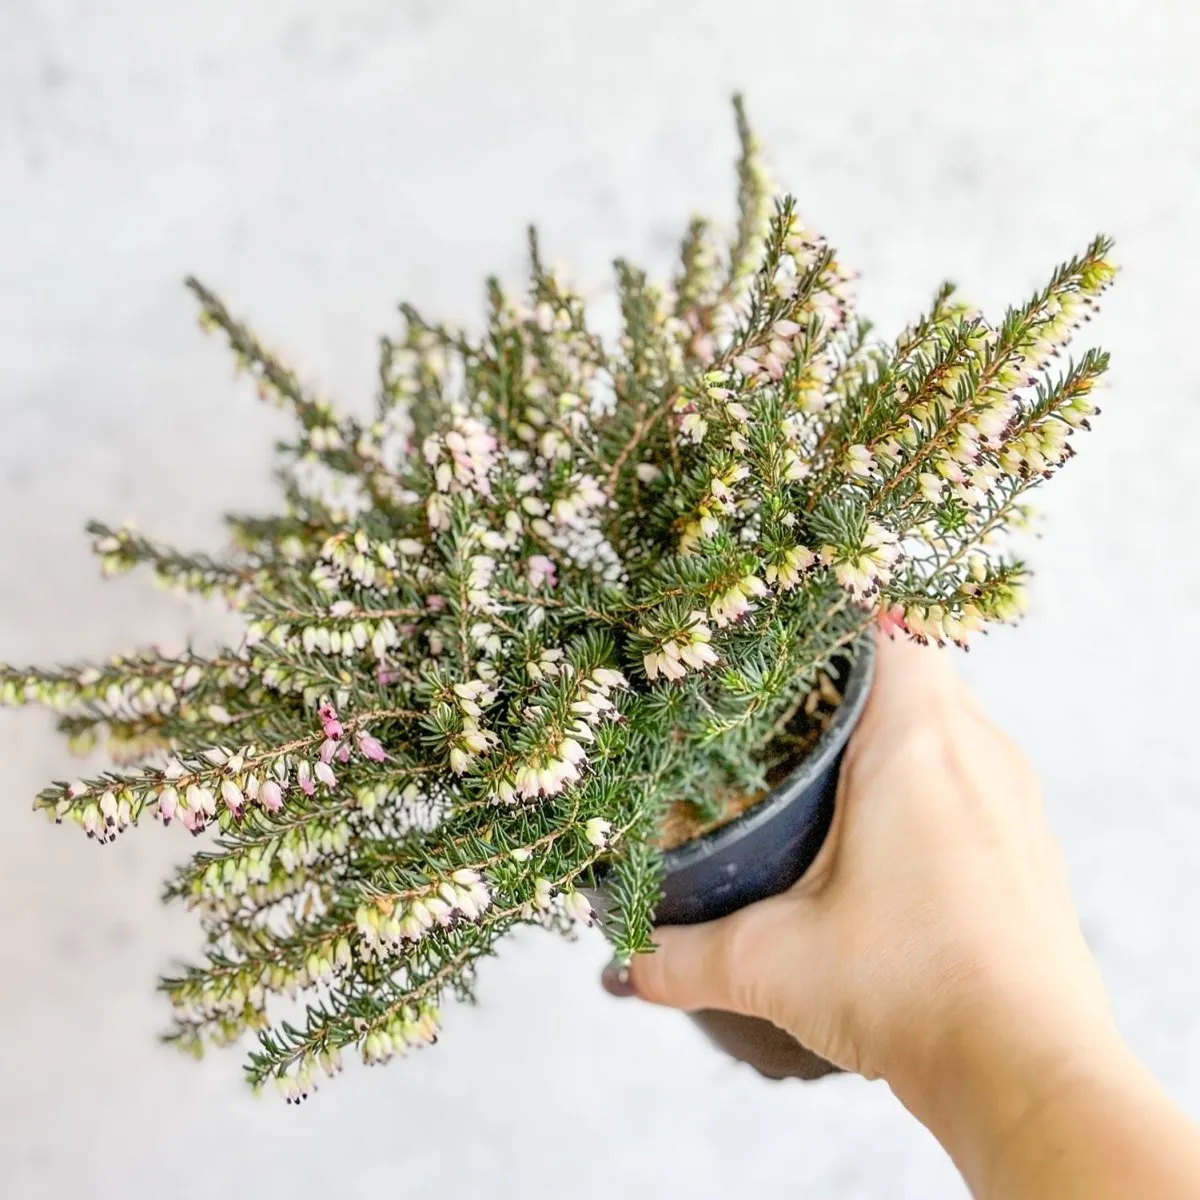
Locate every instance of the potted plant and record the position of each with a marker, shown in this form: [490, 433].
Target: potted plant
[569, 613]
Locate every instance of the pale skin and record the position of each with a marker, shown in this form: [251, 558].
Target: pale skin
[934, 944]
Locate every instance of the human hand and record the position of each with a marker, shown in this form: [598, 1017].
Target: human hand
[933, 942]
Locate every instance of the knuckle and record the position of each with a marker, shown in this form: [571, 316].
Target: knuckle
[908, 749]
[742, 963]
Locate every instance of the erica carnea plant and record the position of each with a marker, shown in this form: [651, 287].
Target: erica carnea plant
[557, 583]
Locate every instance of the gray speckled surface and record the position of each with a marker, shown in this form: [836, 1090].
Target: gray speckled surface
[316, 162]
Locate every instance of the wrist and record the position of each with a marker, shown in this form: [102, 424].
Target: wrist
[994, 1070]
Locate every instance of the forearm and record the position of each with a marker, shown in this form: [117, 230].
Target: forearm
[1074, 1114]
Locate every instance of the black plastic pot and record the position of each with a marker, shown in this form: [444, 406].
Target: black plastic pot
[761, 853]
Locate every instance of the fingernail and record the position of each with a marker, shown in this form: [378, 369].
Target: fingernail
[614, 979]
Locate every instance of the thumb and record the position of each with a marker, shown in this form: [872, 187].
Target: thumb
[740, 963]
[688, 968]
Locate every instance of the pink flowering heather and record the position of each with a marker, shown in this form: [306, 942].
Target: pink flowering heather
[552, 584]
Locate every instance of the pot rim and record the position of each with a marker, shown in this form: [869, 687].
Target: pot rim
[828, 746]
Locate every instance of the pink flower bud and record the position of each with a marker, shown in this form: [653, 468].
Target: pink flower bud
[329, 721]
[541, 571]
[370, 747]
[168, 802]
[891, 620]
[270, 796]
[232, 795]
[304, 779]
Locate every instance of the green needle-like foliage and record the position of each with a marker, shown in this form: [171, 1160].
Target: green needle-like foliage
[556, 584]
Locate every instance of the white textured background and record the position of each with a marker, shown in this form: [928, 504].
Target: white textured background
[316, 161]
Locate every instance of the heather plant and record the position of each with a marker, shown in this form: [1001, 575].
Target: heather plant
[556, 585]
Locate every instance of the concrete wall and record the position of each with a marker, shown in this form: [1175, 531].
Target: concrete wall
[317, 161]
